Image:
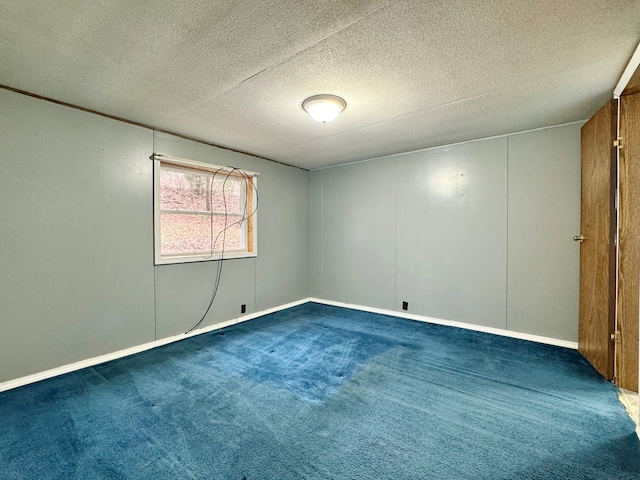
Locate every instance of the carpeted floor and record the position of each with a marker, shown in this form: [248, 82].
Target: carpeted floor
[319, 392]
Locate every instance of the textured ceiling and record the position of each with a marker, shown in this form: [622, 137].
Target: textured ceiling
[415, 74]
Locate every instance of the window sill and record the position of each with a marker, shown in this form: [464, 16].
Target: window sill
[200, 258]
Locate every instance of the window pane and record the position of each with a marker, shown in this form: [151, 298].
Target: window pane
[183, 234]
[183, 191]
[233, 194]
[233, 237]
[193, 191]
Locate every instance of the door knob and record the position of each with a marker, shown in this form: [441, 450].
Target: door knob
[579, 238]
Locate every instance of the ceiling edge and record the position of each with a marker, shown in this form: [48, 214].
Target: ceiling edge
[628, 72]
[143, 125]
[449, 145]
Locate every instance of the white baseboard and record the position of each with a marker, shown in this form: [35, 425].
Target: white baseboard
[90, 362]
[451, 323]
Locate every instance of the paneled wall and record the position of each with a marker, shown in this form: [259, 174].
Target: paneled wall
[76, 265]
[479, 232]
[76, 240]
[544, 215]
[359, 234]
[452, 221]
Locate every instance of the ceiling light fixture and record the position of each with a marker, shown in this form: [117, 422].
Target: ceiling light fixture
[324, 108]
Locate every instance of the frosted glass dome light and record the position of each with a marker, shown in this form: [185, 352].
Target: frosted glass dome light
[324, 108]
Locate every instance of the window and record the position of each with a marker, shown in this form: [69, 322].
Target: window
[202, 211]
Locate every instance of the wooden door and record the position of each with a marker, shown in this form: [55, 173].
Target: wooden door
[597, 251]
[629, 244]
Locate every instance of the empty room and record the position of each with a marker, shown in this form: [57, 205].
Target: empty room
[284, 240]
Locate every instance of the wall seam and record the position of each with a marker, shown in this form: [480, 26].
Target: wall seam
[255, 284]
[153, 232]
[321, 247]
[506, 283]
[395, 191]
[155, 304]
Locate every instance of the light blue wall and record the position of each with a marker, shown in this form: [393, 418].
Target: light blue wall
[544, 215]
[76, 270]
[358, 235]
[452, 226]
[76, 239]
[479, 232]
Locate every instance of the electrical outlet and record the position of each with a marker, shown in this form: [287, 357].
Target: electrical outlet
[405, 305]
[243, 308]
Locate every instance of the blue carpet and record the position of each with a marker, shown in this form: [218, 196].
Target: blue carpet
[319, 392]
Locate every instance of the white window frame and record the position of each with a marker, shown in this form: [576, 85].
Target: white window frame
[184, 164]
